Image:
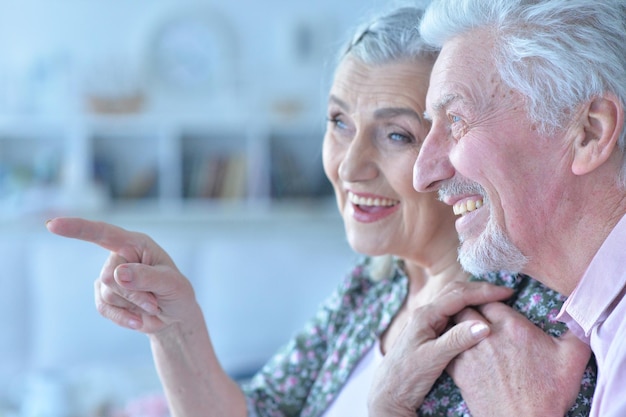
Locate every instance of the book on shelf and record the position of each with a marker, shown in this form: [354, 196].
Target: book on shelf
[217, 177]
[288, 180]
[234, 182]
[142, 185]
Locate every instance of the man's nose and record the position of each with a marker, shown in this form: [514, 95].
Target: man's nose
[433, 163]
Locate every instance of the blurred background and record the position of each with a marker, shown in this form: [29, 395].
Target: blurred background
[197, 122]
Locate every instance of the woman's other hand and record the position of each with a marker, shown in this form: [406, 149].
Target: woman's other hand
[426, 346]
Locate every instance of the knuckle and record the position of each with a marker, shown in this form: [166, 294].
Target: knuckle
[107, 295]
[454, 343]
[135, 298]
[456, 288]
[112, 313]
[102, 308]
[144, 242]
[518, 331]
[458, 340]
[107, 279]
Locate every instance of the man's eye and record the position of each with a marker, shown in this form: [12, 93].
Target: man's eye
[458, 127]
[454, 118]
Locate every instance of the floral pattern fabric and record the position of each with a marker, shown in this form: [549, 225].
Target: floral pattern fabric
[306, 374]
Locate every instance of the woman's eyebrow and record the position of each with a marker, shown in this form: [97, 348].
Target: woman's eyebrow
[389, 112]
[336, 100]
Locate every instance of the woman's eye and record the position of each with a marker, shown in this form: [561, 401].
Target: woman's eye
[399, 137]
[337, 122]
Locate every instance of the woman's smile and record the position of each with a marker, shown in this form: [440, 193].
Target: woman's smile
[368, 208]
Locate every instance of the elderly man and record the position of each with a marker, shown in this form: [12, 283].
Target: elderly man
[527, 144]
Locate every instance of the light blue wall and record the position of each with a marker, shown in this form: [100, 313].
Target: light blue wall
[48, 42]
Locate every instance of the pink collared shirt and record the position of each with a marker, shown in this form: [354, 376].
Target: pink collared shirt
[596, 313]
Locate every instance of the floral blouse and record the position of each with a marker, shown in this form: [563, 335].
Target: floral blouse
[305, 376]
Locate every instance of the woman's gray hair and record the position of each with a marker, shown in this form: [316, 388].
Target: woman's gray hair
[389, 37]
[557, 53]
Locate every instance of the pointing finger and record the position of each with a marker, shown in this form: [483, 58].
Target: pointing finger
[106, 235]
[133, 246]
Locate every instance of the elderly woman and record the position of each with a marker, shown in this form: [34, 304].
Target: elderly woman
[374, 133]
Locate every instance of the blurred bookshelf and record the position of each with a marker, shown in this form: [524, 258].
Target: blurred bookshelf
[96, 163]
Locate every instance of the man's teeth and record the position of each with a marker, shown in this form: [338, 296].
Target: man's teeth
[467, 206]
[368, 201]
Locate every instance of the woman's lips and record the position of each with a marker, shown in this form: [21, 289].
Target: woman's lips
[368, 209]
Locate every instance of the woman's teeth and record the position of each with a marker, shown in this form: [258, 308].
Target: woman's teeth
[368, 201]
[467, 206]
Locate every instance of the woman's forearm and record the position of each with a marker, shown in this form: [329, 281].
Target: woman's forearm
[194, 382]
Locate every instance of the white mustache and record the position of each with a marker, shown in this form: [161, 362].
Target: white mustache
[456, 186]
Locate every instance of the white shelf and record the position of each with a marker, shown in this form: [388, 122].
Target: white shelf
[90, 162]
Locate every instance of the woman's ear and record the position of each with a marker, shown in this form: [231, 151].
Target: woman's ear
[602, 123]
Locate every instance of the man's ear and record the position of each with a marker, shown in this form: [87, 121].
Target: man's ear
[601, 125]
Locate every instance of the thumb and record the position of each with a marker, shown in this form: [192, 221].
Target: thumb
[461, 337]
[146, 278]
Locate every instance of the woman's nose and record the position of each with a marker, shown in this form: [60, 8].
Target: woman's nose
[359, 161]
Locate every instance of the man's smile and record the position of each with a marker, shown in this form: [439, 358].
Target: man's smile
[466, 206]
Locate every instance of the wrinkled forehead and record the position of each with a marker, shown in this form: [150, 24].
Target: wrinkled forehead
[464, 70]
[401, 82]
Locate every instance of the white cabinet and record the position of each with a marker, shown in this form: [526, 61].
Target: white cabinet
[91, 162]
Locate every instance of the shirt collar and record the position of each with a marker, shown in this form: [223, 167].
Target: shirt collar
[600, 285]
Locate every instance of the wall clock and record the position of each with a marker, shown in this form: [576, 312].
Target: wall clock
[192, 51]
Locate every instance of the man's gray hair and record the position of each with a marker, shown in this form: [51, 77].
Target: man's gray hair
[557, 53]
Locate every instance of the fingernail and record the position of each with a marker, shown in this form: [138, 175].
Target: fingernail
[123, 274]
[133, 324]
[149, 308]
[479, 330]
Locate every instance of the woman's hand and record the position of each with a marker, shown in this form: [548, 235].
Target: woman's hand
[139, 286]
[425, 347]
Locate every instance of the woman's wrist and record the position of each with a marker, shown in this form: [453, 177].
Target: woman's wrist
[189, 325]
